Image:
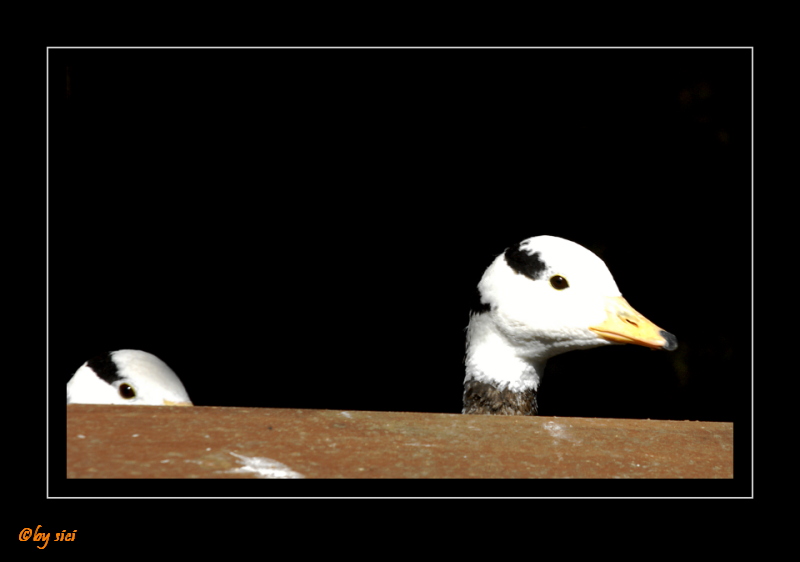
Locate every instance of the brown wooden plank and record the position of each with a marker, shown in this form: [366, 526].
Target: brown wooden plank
[211, 442]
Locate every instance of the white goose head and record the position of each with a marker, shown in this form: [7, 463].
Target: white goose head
[542, 297]
[127, 376]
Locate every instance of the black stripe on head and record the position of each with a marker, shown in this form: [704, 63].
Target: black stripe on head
[105, 367]
[529, 265]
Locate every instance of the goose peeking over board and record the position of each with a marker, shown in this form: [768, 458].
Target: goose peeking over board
[127, 376]
[539, 298]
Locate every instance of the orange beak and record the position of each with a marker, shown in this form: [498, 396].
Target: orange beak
[624, 325]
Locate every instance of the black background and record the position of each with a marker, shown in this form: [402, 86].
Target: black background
[305, 228]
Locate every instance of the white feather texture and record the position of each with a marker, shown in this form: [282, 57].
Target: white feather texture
[528, 318]
[139, 378]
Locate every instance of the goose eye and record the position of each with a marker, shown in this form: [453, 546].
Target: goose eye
[558, 282]
[127, 391]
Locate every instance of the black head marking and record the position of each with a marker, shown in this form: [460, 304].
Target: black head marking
[529, 265]
[105, 367]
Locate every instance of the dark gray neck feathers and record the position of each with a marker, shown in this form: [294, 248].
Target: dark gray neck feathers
[485, 398]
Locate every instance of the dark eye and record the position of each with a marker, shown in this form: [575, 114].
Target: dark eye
[127, 391]
[558, 282]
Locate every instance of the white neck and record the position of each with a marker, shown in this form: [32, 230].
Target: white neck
[494, 359]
